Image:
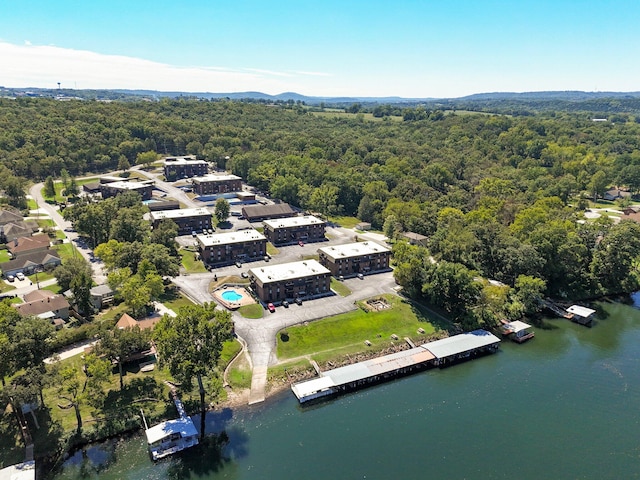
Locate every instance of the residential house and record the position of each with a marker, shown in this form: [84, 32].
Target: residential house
[127, 321]
[616, 194]
[290, 230]
[29, 263]
[101, 296]
[24, 245]
[10, 231]
[44, 303]
[8, 216]
[415, 238]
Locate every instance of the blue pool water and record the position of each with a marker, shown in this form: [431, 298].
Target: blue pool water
[231, 296]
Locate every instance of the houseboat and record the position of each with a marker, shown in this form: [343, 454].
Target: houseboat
[171, 436]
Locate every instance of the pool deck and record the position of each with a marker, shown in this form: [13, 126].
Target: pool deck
[245, 298]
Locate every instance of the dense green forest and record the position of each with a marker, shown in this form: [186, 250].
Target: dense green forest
[498, 196]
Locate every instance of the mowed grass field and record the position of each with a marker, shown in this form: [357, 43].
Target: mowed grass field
[347, 333]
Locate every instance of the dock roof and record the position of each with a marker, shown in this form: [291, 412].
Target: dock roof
[581, 311]
[517, 326]
[464, 342]
[183, 426]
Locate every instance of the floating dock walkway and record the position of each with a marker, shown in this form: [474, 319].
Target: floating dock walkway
[439, 353]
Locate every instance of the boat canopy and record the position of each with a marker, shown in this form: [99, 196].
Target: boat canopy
[182, 426]
[581, 311]
[517, 326]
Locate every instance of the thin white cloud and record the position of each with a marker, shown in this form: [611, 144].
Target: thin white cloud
[45, 66]
[314, 74]
[268, 72]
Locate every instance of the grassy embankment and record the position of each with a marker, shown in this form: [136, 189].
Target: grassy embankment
[345, 334]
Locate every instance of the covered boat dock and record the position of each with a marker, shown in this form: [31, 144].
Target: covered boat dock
[581, 315]
[438, 353]
[518, 331]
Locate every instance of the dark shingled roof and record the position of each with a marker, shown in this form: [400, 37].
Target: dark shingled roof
[263, 212]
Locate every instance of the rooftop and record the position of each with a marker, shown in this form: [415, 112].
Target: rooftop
[183, 161]
[288, 271]
[229, 237]
[212, 177]
[580, 311]
[129, 185]
[353, 249]
[183, 426]
[289, 222]
[180, 213]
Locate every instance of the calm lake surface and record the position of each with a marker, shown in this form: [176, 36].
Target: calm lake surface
[565, 405]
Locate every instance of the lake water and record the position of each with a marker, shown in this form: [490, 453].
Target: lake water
[564, 405]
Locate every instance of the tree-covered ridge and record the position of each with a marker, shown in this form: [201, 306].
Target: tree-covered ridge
[496, 194]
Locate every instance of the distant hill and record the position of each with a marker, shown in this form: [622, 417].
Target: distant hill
[525, 103]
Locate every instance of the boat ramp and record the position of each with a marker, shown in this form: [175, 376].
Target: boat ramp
[439, 353]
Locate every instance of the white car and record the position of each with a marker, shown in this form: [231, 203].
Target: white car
[20, 276]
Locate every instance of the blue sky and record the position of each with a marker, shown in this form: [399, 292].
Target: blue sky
[429, 48]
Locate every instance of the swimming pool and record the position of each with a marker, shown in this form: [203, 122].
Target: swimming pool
[231, 296]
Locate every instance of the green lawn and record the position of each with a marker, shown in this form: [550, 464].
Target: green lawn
[67, 250]
[174, 302]
[4, 256]
[271, 250]
[45, 222]
[59, 187]
[346, 222]
[6, 286]
[42, 276]
[189, 262]
[254, 310]
[55, 288]
[340, 288]
[31, 204]
[347, 333]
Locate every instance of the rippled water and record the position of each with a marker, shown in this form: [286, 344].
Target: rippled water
[564, 405]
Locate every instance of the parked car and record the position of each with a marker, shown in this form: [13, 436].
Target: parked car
[244, 275]
[210, 231]
[10, 278]
[271, 307]
[360, 276]
[239, 264]
[267, 258]
[301, 243]
[298, 300]
[20, 276]
[194, 233]
[285, 304]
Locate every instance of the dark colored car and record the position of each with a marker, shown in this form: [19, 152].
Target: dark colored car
[298, 300]
[285, 304]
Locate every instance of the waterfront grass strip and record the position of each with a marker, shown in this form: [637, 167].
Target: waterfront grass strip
[352, 329]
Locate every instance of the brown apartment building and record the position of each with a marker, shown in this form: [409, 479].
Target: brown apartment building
[288, 281]
[354, 258]
[290, 230]
[230, 247]
[212, 184]
[188, 219]
[176, 168]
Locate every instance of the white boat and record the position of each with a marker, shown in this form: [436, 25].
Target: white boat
[171, 436]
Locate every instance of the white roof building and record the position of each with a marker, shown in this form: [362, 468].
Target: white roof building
[179, 213]
[288, 271]
[212, 177]
[356, 249]
[229, 238]
[289, 222]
